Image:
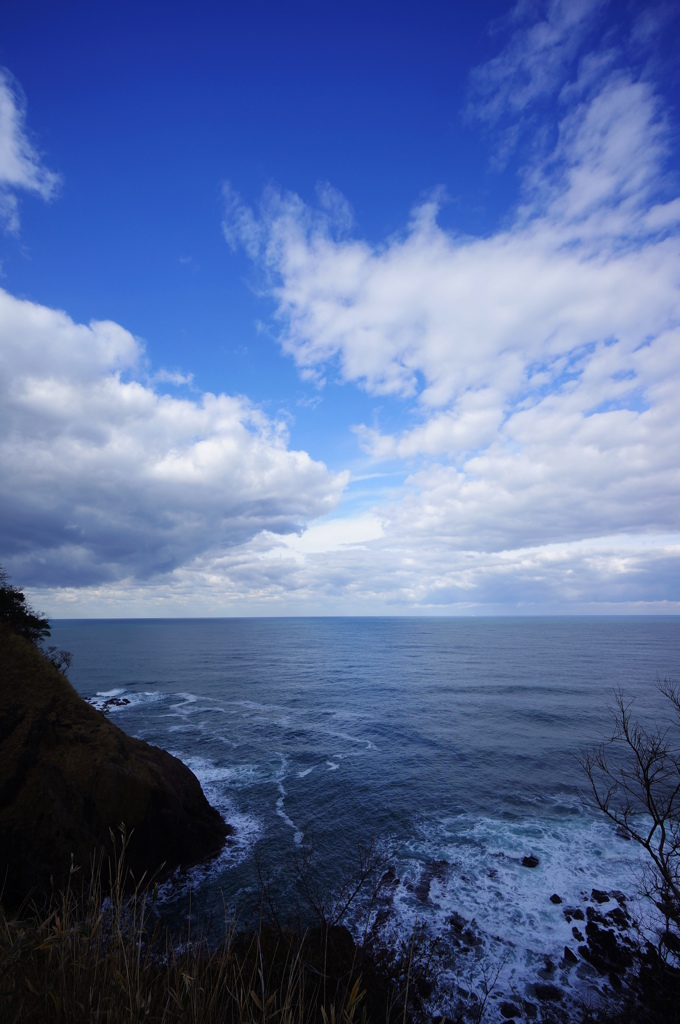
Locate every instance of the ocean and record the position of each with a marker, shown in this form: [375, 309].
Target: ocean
[450, 745]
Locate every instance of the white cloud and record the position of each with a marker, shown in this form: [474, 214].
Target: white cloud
[538, 367]
[400, 572]
[538, 370]
[590, 257]
[174, 377]
[20, 163]
[606, 167]
[535, 58]
[240, 227]
[103, 477]
[336, 535]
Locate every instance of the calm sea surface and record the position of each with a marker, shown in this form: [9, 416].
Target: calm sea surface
[452, 743]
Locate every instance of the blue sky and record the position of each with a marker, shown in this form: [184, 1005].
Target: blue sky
[340, 308]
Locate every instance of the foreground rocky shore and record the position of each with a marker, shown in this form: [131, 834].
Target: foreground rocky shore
[69, 776]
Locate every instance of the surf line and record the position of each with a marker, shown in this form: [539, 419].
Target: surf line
[280, 808]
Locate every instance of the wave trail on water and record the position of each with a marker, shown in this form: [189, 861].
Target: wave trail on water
[298, 836]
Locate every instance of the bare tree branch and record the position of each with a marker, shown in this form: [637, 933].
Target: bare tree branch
[635, 780]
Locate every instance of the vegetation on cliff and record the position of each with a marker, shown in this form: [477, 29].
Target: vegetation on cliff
[68, 776]
[17, 614]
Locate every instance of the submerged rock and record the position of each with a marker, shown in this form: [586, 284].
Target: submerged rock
[547, 992]
[435, 869]
[606, 951]
[68, 776]
[115, 702]
[619, 917]
[457, 922]
[573, 914]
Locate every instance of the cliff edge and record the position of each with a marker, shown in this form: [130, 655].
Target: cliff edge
[68, 775]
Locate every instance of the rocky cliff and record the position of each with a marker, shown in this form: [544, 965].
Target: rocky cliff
[68, 775]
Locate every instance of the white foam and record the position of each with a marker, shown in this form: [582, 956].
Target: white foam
[217, 782]
[280, 803]
[281, 811]
[247, 830]
[283, 718]
[185, 704]
[332, 766]
[216, 779]
[357, 740]
[107, 700]
[472, 867]
[253, 705]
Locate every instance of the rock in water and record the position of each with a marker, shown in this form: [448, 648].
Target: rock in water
[68, 775]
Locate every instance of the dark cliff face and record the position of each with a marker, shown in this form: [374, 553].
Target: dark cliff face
[68, 776]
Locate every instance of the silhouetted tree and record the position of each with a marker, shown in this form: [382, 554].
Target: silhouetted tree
[18, 614]
[635, 781]
[639, 790]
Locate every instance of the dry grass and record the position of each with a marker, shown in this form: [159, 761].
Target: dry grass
[95, 958]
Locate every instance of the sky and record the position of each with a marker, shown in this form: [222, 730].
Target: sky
[328, 308]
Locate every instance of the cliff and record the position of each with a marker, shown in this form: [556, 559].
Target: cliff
[68, 775]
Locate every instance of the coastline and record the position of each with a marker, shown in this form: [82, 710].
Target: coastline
[69, 778]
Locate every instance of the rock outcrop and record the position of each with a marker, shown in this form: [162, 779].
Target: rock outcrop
[68, 776]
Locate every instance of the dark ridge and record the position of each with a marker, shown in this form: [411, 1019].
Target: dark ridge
[68, 776]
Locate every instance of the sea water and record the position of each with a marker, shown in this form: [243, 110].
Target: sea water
[450, 744]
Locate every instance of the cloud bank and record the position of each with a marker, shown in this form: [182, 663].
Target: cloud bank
[104, 478]
[535, 466]
[538, 366]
